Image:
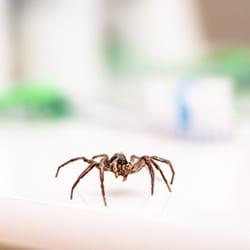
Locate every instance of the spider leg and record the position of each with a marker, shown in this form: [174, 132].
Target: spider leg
[72, 160]
[100, 155]
[101, 171]
[162, 174]
[104, 160]
[87, 170]
[134, 157]
[152, 174]
[169, 164]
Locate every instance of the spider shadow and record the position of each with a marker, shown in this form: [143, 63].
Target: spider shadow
[140, 200]
[123, 192]
[117, 193]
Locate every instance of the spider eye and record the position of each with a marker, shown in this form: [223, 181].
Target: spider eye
[122, 161]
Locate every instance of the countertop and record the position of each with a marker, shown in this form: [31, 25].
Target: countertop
[208, 208]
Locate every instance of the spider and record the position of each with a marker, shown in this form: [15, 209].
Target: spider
[119, 165]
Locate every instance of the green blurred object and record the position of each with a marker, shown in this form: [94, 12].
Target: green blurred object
[232, 62]
[34, 102]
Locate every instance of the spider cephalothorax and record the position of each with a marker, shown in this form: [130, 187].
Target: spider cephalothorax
[119, 165]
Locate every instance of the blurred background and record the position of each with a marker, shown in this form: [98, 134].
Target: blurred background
[158, 65]
[163, 77]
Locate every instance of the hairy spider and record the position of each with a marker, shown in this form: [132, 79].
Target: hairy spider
[119, 165]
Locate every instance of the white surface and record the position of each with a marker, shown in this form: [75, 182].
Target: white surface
[210, 194]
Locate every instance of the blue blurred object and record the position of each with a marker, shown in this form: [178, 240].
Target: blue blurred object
[204, 107]
[182, 107]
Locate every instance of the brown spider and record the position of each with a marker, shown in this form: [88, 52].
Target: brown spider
[119, 165]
